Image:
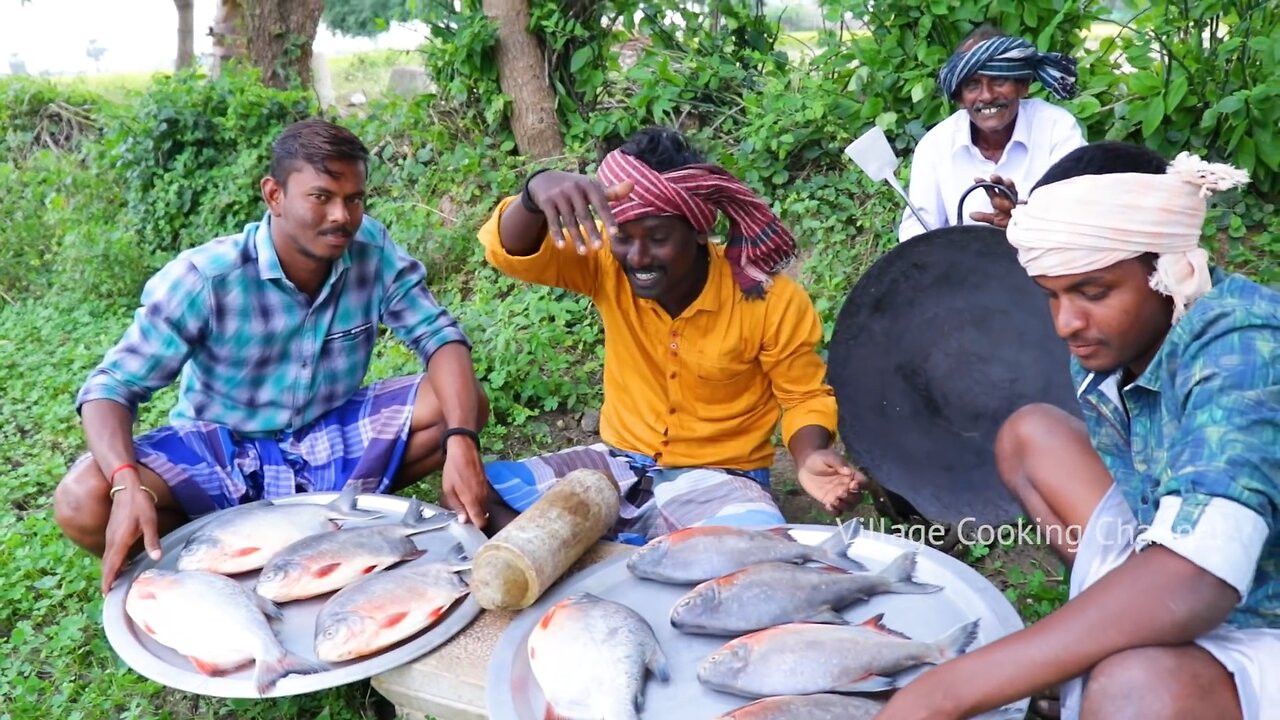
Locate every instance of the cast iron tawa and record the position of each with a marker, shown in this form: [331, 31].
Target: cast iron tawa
[938, 343]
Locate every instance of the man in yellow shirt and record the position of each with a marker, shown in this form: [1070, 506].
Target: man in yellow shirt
[705, 347]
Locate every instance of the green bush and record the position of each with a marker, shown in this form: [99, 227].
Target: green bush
[190, 155]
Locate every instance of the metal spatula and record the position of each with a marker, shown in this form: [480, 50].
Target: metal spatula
[872, 152]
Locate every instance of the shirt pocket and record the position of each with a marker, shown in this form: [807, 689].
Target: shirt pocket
[345, 355]
[722, 386]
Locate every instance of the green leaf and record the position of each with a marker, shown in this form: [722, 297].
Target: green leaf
[1176, 92]
[581, 57]
[1152, 114]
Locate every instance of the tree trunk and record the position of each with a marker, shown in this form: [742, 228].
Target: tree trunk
[522, 73]
[186, 30]
[228, 39]
[274, 35]
[279, 35]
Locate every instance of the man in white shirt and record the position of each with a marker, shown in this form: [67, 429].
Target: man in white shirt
[997, 135]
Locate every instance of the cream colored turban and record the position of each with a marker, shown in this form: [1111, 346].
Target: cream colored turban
[1093, 221]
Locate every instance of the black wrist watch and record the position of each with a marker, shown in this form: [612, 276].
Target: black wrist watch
[527, 202]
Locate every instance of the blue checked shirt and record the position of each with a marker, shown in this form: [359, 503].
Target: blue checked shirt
[1197, 457]
[257, 355]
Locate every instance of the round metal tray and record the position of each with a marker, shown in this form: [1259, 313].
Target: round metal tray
[159, 663]
[512, 692]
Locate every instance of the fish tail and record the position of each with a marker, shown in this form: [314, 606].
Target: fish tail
[898, 575]
[834, 550]
[956, 642]
[268, 672]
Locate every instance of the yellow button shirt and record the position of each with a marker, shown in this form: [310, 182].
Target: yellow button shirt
[705, 389]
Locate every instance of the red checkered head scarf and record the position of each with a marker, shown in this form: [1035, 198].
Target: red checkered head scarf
[758, 246]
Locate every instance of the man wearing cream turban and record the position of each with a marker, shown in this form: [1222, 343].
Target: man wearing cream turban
[997, 134]
[706, 347]
[1165, 500]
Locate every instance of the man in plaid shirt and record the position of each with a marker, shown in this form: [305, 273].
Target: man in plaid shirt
[272, 331]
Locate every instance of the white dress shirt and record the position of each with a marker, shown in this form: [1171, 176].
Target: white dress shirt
[946, 162]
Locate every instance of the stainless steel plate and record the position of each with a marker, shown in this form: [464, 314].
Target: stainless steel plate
[159, 663]
[512, 693]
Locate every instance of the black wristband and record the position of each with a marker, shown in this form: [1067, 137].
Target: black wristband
[527, 202]
[444, 439]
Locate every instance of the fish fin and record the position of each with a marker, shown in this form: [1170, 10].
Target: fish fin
[657, 664]
[956, 642]
[876, 623]
[267, 673]
[898, 576]
[147, 629]
[782, 532]
[344, 507]
[834, 550]
[826, 616]
[547, 617]
[245, 552]
[204, 666]
[268, 608]
[393, 619]
[326, 570]
[867, 683]
[551, 714]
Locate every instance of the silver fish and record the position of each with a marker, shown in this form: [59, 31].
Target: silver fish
[807, 707]
[697, 554]
[244, 538]
[589, 656]
[382, 609]
[330, 561]
[807, 658]
[762, 596]
[214, 621]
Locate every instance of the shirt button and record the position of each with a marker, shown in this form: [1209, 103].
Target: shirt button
[657, 456]
[673, 376]
[671, 411]
[673, 346]
[675, 334]
[665, 443]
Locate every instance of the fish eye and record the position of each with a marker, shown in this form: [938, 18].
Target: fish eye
[331, 632]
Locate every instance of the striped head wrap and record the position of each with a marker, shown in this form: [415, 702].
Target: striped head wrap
[758, 246]
[1010, 57]
[1090, 222]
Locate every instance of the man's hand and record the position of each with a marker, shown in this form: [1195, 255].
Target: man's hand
[133, 515]
[831, 480]
[1001, 203]
[465, 488]
[574, 204]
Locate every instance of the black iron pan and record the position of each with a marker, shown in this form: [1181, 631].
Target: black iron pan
[936, 345]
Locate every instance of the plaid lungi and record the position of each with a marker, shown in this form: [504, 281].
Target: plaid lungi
[208, 467]
[655, 500]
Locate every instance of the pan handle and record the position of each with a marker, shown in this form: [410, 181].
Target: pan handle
[995, 186]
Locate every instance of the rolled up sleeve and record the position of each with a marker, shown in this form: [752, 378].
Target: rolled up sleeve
[412, 311]
[1225, 540]
[1220, 500]
[171, 320]
[550, 265]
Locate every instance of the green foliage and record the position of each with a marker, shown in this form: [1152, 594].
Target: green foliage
[1201, 76]
[190, 156]
[366, 18]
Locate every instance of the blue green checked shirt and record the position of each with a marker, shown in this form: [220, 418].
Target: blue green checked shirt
[1197, 457]
[257, 355]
